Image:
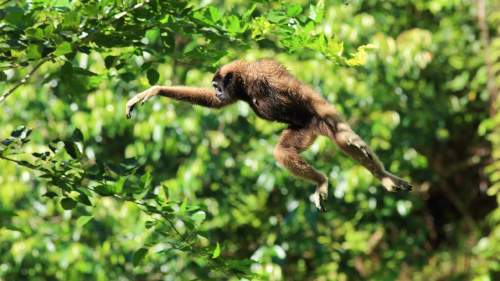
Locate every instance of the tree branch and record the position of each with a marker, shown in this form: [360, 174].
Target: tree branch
[485, 41]
[24, 80]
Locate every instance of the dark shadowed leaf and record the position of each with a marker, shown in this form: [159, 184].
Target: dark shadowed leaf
[72, 149]
[50, 194]
[153, 76]
[18, 131]
[109, 61]
[139, 255]
[68, 203]
[77, 135]
[104, 190]
[84, 199]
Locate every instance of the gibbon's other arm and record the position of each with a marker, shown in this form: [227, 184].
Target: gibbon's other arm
[200, 96]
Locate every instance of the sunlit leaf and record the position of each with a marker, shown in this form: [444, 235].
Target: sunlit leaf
[216, 252]
[83, 220]
[33, 52]
[62, 49]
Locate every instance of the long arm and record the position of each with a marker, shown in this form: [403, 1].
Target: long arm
[200, 96]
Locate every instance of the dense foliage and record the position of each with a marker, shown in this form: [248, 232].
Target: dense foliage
[181, 192]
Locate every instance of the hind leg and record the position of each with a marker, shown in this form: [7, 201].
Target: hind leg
[291, 143]
[355, 147]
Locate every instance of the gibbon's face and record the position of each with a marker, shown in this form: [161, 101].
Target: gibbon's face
[225, 86]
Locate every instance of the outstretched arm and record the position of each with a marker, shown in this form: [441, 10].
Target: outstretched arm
[200, 96]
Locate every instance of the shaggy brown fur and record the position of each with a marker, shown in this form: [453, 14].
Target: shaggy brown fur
[275, 95]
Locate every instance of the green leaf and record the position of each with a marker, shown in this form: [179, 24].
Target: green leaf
[316, 12]
[15, 16]
[153, 76]
[146, 179]
[214, 14]
[127, 76]
[83, 220]
[234, 25]
[216, 252]
[150, 224]
[84, 199]
[183, 206]
[27, 164]
[8, 141]
[3, 76]
[66, 72]
[63, 48]
[33, 52]
[82, 71]
[139, 255]
[68, 203]
[109, 61]
[199, 216]
[104, 190]
[50, 194]
[72, 149]
[293, 10]
[18, 131]
[77, 135]
[118, 187]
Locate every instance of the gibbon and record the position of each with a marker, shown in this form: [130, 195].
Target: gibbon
[275, 95]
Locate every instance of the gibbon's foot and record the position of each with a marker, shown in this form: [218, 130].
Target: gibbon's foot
[394, 183]
[140, 98]
[320, 196]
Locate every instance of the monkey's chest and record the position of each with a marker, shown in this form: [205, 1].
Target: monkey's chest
[285, 111]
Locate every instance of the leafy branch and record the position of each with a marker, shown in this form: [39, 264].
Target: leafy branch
[70, 178]
[24, 79]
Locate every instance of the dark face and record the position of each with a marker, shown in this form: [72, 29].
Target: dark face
[225, 85]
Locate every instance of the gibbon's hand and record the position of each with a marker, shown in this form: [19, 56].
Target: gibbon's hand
[140, 98]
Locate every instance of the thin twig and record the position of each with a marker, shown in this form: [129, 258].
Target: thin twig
[24, 80]
[146, 205]
[10, 159]
[116, 196]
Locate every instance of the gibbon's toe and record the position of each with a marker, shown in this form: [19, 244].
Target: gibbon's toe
[393, 183]
[319, 196]
[128, 110]
[316, 199]
[404, 186]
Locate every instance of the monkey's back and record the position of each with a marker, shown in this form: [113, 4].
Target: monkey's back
[274, 94]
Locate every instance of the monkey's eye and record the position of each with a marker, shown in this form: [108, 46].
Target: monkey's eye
[227, 79]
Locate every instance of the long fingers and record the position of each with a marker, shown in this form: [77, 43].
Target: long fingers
[139, 98]
[131, 105]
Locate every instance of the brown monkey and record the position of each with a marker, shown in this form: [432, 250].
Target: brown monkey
[275, 95]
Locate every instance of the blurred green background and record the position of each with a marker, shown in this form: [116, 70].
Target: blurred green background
[181, 192]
